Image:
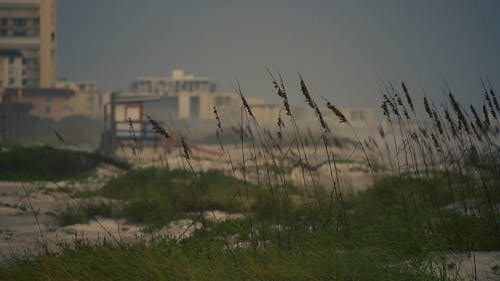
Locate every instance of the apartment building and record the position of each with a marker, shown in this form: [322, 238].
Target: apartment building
[29, 27]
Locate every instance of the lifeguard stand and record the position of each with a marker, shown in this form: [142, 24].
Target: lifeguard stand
[126, 124]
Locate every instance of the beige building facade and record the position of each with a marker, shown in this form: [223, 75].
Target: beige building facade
[88, 99]
[29, 26]
[47, 103]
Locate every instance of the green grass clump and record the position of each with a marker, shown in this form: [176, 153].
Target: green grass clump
[46, 163]
[420, 224]
[155, 196]
[81, 212]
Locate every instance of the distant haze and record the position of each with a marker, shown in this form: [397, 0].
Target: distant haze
[342, 48]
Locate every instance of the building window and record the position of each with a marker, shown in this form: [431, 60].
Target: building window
[25, 82]
[3, 21]
[4, 32]
[47, 99]
[11, 60]
[19, 33]
[36, 21]
[20, 22]
[47, 109]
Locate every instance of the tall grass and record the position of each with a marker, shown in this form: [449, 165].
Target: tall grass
[437, 192]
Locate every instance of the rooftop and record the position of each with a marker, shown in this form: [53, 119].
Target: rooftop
[42, 92]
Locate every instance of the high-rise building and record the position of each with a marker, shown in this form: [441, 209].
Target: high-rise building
[29, 26]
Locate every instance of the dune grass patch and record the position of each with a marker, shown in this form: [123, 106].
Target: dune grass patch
[45, 163]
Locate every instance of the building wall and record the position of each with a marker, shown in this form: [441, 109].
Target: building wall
[47, 43]
[165, 108]
[85, 103]
[55, 108]
[206, 106]
[229, 108]
[266, 115]
[88, 99]
[51, 103]
[30, 27]
[184, 105]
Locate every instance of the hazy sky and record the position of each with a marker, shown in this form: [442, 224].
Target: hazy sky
[342, 48]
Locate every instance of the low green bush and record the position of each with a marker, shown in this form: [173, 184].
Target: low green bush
[45, 163]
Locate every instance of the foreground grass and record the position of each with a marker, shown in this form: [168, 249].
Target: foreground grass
[316, 259]
[46, 163]
[274, 242]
